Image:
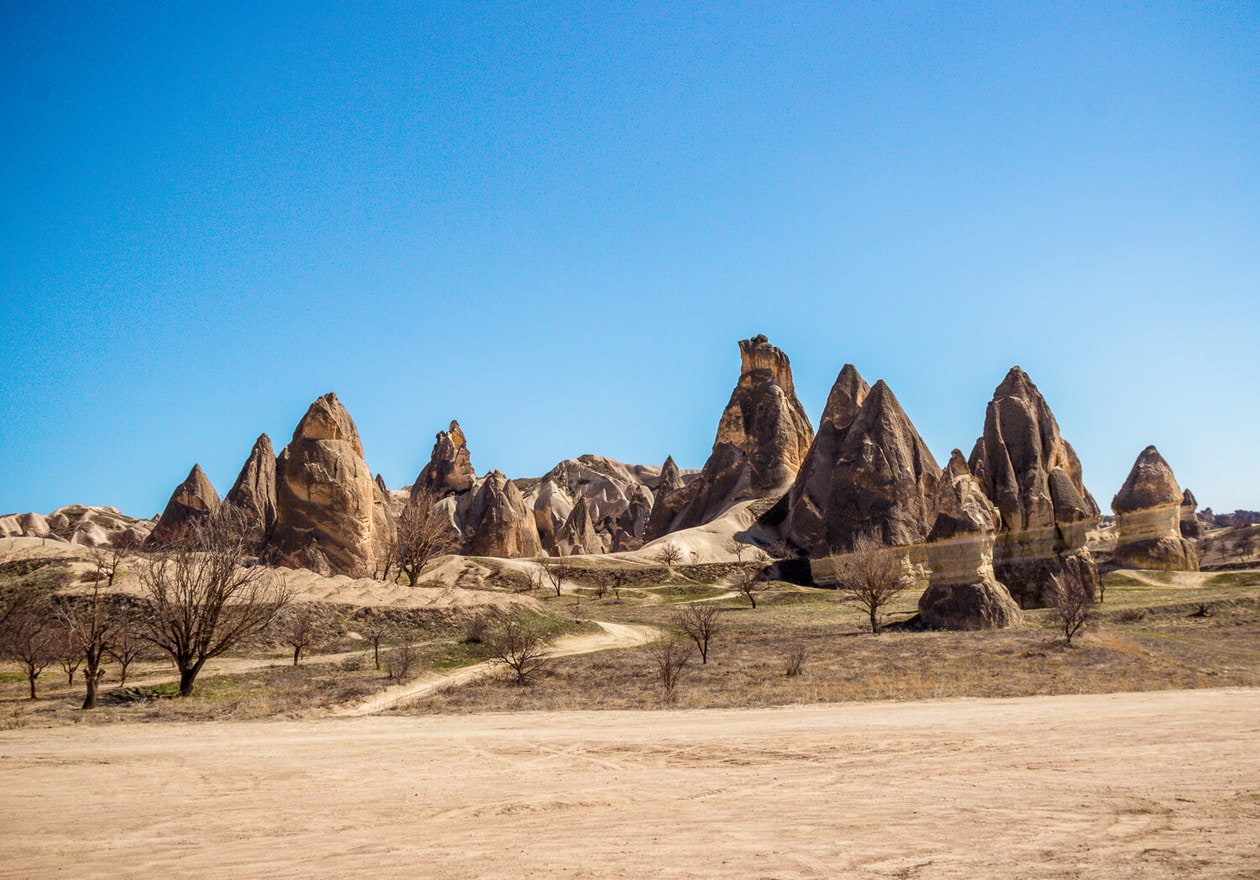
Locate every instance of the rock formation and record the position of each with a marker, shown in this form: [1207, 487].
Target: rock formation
[577, 535]
[1033, 477]
[762, 439]
[497, 521]
[671, 478]
[330, 514]
[868, 471]
[254, 492]
[450, 470]
[1191, 528]
[193, 501]
[618, 498]
[963, 592]
[1148, 518]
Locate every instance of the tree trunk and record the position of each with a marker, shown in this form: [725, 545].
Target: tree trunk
[92, 678]
[186, 678]
[874, 621]
[376, 653]
[32, 681]
[297, 654]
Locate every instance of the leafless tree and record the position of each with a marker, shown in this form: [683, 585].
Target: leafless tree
[388, 557]
[68, 656]
[1072, 609]
[870, 576]
[556, 572]
[519, 645]
[669, 554]
[128, 646]
[90, 627]
[619, 579]
[377, 630]
[750, 584]
[32, 640]
[204, 598]
[670, 654]
[761, 556]
[403, 657]
[700, 622]
[424, 533]
[795, 660]
[736, 547]
[298, 631]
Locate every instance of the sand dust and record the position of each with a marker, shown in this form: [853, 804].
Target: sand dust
[1147, 785]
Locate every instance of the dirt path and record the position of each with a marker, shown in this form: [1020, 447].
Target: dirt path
[1151, 785]
[614, 635]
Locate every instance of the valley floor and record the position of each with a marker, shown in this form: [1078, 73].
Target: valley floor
[1150, 785]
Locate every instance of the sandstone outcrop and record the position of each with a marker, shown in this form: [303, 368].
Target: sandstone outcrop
[762, 439]
[870, 472]
[192, 502]
[1148, 518]
[1191, 528]
[618, 498]
[497, 522]
[450, 470]
[577, 535]
[1033, 477]
[254, 492]
[330, 514]
[671, 478]
[963, 591]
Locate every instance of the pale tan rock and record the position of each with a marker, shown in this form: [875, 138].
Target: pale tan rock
[449, 470]
[1148, 511]
[254, 492]
[192, 502]
[497, 521]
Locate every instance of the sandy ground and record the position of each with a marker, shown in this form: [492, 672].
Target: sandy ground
[1119, 786]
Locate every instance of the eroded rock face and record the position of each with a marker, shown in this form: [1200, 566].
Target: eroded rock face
[577, 535]
[618, 498]
[1033, 477]
[450, 470]
[254, 492]
[670, 480]
[762, 439]
[330, 514]
[963, 591]
[1191, 528]
[1148, 518]
[872, 472]
[497, 521]
[193, 501]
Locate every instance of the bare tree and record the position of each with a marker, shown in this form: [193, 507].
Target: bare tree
[736, 547]
[68, 656]
[619, 579]
[555, 572]
[669, 554]
[204, 598]
[795, 660]
[90, 628]
[701, 623]
[298, 631]
[33, 640]
[750, 584]
[128, 646]
[1072, 609]
[424, 532]
[869, 576]
[403, 657]
[377, 630]
[671, 655]
[520, 646]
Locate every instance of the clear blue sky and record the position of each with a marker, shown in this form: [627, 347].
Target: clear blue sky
[553, 223]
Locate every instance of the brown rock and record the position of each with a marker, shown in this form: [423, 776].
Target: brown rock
[963, 592]
[616, 495]
[193, 501]
[497, 521]
[1033, 477]
[577, 535]
[762, 439]
[330, 514]
[1191, 528]
[671, 478]
[254, 492]
[450, 470]
[1148, 518]
[881, 476]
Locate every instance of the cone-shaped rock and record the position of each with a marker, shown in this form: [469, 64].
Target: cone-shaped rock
[963, 592]
[1191, 528]
[450, 469]
[254, 492]
[813, 492]
[577, 535]
[193, 501]
[330, 514]
[671, 478]
[1033, 477]
[762, 439]
[1148, 518]
[498, 522]
[882, 479]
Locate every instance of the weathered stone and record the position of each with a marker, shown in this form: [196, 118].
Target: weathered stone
[963, 592]
[1148, 518]
[450, 470]
[618, 498]
[671, 478]
[762, 439]
[329, 511]
[1033, 477]
[577, 535]
[192, 502]
[880, 478]
[254, 492]
[33, 525]
[497, 521]
[1191, 528]
[10, 527]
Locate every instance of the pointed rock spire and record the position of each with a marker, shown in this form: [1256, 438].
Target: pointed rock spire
[1148, 511]
[192, 502]
[577, 535]
[498, 522]
[254, 492]
[450, 470]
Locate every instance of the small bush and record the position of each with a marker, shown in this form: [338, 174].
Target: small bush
[795, 660]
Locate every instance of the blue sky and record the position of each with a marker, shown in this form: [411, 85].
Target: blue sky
[553, 222]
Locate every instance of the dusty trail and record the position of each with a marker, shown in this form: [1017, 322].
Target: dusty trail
[1150, 785]
[614, 635]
